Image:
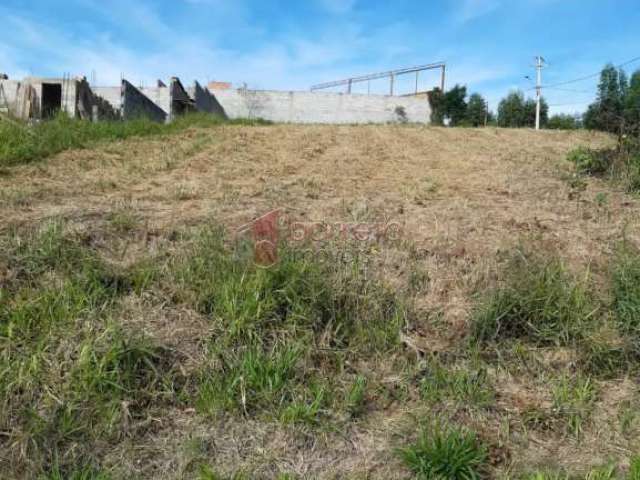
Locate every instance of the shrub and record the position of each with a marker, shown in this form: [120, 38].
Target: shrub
[538, 302]
[446, 453]
[590, 161]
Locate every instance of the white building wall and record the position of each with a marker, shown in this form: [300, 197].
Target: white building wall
[322, 107]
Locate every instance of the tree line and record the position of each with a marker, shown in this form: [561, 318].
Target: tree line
[616, 108]
[452, 108]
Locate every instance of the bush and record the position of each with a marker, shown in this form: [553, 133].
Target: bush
[590, 161]
[446, 453]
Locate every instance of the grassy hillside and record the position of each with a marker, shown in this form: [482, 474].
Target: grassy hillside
[494, 334]
[21, 143]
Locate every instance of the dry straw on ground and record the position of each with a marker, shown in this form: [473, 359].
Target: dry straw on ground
[463, 196]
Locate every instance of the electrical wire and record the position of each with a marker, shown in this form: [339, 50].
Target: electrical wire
[587, 77]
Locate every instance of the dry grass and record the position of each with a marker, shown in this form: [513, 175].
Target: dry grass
[464, 197]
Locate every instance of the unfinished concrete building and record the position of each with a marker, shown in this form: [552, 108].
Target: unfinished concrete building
[42, 98]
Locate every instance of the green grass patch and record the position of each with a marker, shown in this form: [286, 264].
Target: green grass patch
[66, 370]
[626, 292]
[84, 473]
[280, 332]
[22, 143]
[573, 402]
[538, 301]
[446, 453]
[464, 385]
[605, 472]
[250, 379]
[338, 306]
[615, 346]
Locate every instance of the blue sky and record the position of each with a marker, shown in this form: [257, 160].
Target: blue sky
[488, 45]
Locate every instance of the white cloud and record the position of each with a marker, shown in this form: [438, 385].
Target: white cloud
[471, 9]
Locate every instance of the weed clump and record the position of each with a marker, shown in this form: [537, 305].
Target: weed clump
[626, 292]
[279, 333]
[446, 453]
[337, 306]
[573, 401]
[467, 386]
[539, 302]
[66, 373]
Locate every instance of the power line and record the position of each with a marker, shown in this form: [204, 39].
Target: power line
[587, 77]
[568, 90]
[565, 104]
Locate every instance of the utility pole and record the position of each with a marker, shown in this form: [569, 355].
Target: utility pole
[539, 66]
[486, 113]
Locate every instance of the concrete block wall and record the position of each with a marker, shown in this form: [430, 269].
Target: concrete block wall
[8, 96]
[181, 102]
[322, 107]
[90, 106]
[113, 95]
[161, 97]
[135, 104]
[205, 101]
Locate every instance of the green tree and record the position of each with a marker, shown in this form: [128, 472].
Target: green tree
[562, 122]
[511, 110]
[607, 113]
[456, 105]
[530, 113]
[632, 104]
[451, 105]
[477, 110]
[437, 103]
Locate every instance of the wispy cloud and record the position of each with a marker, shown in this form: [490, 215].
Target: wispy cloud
[311, 42]
[468, 10]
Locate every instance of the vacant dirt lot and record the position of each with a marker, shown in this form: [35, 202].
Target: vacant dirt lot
[465, 198]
